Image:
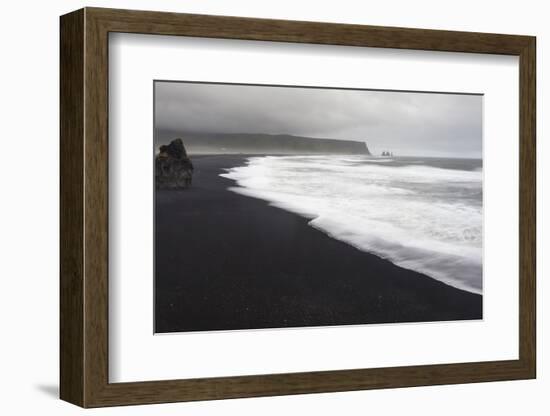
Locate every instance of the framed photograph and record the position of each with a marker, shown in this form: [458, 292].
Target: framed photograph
[255, 207]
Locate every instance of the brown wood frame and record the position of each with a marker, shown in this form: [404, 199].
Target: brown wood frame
[84, 208]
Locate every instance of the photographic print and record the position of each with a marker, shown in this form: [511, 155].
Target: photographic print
[290, 206]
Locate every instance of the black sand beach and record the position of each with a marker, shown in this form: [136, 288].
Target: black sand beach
[225, 261]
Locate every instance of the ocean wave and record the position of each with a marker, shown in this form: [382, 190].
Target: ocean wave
[424, 218]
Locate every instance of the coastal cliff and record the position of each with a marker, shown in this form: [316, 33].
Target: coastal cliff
[274, 144]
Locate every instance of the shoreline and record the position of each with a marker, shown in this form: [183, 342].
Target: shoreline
[292, 275]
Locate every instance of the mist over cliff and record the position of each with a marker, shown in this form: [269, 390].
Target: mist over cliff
[284, 144]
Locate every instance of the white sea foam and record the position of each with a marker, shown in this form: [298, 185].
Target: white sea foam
[423, 218]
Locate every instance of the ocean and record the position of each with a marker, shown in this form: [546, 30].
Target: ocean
[423, 214]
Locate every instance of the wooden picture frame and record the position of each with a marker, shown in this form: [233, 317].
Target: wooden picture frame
[84, 207]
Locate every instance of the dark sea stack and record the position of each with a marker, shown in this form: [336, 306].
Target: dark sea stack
[173, 168]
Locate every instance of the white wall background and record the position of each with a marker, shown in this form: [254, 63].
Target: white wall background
[29, 209]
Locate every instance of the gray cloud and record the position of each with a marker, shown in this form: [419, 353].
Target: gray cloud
[403, 122]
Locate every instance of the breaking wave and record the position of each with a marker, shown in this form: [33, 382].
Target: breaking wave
[415, 213]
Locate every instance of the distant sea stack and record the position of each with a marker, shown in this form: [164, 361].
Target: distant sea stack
[272, 144]
[173, 168]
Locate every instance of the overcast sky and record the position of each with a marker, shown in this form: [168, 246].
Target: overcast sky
[402, 122]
